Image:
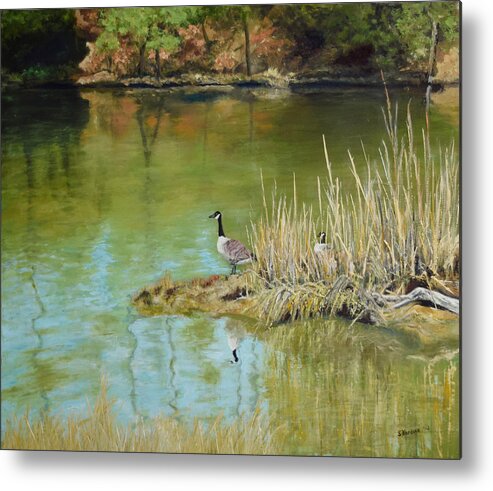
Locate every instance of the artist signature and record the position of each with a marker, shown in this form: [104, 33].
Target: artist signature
[414, 431]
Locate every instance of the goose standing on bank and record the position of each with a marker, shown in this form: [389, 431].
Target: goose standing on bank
[321, 246]
[231, 249]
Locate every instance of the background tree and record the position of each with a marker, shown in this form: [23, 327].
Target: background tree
[147, 28]
[198, 16]
[239, 17]
[164, 31]
[414, 23]
[108, 41]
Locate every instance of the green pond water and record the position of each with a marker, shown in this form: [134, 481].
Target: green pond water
[104, 191]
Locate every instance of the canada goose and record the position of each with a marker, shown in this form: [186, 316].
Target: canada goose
[331, 258]
[231, 249]
[321, 246]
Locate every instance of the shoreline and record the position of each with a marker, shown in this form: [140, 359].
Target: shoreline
[218, 82]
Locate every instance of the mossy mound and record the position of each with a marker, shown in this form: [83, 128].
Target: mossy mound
[217, 294]
[244, 295]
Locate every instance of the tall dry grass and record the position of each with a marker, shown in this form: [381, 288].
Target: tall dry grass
[99, 431]
[404, 211]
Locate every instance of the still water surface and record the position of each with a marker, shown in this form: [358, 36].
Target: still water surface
[104, 191]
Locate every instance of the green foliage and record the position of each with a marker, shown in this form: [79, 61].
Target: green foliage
[198, 14]
[414, 24]
[107, 42]
[35, 72]
[147, 28]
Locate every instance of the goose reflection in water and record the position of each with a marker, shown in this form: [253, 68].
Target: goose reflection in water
[235, 332]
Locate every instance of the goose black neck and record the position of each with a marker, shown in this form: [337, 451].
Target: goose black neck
[220, 223]
[322, 239]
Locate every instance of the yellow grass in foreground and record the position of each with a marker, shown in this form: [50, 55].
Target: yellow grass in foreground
[99, 431]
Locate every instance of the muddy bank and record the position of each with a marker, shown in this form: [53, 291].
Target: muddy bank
[319, 78]
[244, 295]
[214, 294]
[197, 82]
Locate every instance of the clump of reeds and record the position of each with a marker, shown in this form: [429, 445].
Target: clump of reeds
[402, 218]
[284, 302]
[99, 431]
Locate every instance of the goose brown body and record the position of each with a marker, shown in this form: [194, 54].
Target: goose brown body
[231, 249]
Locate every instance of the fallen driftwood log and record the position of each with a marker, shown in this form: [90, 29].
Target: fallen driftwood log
[422, 296]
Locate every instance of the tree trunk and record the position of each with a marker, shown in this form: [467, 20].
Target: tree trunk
[247, 47]
[432, 61]
[142, 60]
[158, 64]
[206, 37]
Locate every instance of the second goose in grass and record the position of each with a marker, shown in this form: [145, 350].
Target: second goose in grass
[231, 249]
[321, 246]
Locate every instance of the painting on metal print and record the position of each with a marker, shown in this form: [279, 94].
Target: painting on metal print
[232, 229]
